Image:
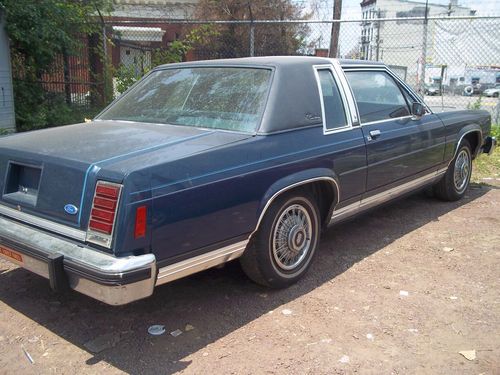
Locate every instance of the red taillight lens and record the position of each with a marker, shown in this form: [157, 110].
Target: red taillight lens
[104, 205]
[101, 227]
[108, 191]
[140, 221]
[107, 204]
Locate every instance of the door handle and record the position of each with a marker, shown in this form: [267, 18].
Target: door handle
[374, 134]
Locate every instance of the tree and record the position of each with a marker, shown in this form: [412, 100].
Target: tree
[39, 32]
[268, 39]
[126, 76]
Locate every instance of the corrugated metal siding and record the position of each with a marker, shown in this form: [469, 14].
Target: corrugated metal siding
[7, 118]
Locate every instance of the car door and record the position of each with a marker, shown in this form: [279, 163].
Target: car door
[399, 146]
[341, 131]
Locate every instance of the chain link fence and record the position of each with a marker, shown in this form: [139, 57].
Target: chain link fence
[454, 62]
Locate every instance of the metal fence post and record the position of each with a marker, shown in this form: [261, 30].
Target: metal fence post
[252, 39]
[421, 81]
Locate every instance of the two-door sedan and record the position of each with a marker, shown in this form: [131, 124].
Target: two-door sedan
[204, 162]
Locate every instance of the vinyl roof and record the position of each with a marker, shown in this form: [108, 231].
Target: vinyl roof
[276, 61]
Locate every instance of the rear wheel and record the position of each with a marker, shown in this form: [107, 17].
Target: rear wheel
[455, 182]
[282, 249]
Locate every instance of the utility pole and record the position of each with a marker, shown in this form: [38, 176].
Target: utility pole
[334, 40]
[423, 57]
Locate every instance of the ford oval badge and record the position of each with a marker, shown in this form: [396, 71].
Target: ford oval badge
[71, 209]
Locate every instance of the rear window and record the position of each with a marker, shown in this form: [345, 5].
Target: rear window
[219, 98]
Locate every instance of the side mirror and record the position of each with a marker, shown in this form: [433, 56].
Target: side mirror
[417, 110]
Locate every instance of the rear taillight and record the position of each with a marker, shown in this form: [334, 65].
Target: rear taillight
[103, 214]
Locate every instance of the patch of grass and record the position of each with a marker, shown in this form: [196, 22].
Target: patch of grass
[495, 131]
[488, 166]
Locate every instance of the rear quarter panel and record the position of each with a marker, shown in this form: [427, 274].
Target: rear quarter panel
[207, 198]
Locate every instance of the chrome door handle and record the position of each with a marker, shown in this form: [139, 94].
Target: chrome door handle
[374, 134]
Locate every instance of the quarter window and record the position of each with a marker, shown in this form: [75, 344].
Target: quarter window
[377, 95]
[335, 115]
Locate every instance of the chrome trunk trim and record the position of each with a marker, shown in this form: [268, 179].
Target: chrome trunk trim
[200, 263]
[43, 223]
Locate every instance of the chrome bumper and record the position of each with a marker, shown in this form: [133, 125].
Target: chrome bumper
[115, 281]
[489, 145]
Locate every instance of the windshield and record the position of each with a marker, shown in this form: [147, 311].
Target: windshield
[219, 98]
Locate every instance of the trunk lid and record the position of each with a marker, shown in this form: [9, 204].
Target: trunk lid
[52, 173]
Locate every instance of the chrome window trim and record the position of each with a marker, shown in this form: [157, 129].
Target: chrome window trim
[347, 113]
[374, 200]
[386, 120]
[282, 190]
[353, 108]
[39, 222]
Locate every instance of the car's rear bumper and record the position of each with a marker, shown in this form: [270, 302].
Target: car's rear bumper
[115, 281]
[489, 145]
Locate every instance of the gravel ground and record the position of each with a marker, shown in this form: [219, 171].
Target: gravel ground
[401, 290]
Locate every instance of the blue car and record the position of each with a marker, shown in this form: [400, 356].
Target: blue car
[204, 162]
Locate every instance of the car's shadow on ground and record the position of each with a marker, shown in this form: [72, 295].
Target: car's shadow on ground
[216, 302]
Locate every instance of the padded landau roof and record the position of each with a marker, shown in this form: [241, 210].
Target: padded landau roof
[294, 98]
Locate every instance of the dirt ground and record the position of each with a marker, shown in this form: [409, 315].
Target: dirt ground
[350, 314]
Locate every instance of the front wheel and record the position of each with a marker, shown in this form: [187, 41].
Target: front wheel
[455, 182]
[282, 249]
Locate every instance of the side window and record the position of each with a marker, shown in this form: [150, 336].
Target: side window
[335, 115]
[377, 95]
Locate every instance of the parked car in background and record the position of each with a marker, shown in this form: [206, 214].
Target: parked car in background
[204, 162]
[432, 90]
[493, 91]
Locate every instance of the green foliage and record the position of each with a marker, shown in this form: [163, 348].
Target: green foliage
[269, 39]
[126, 76]
[495, 131]
[476, 105]
[39, 32]
[36, 109]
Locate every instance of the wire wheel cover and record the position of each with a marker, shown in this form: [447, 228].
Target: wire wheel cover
[462, 170]
[292, 237]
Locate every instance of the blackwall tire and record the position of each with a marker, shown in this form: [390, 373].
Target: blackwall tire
[281, 251]
[455, 182]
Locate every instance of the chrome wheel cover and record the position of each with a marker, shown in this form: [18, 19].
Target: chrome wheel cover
[292, 237]
[462, 170]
